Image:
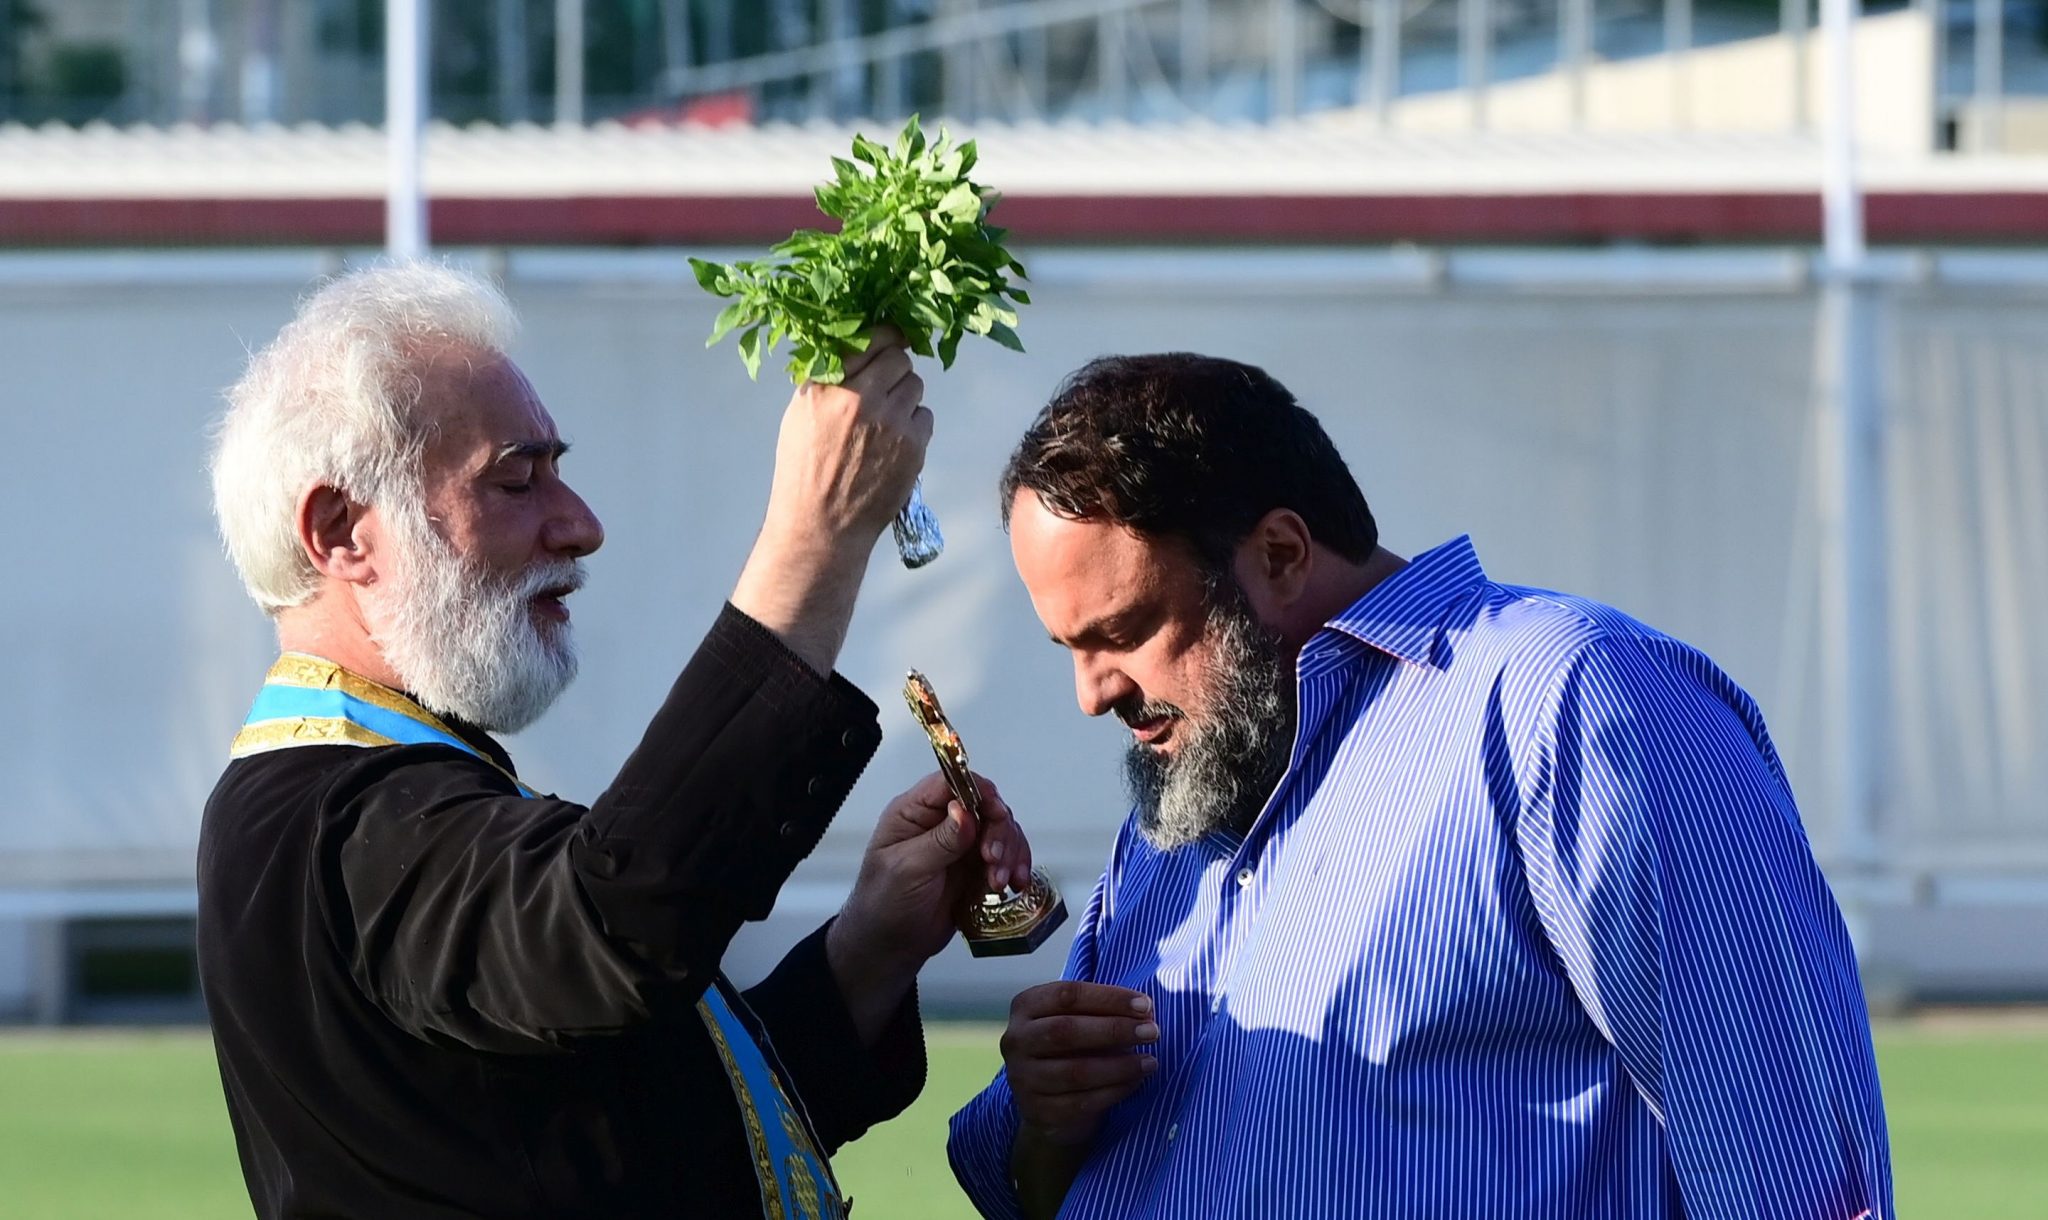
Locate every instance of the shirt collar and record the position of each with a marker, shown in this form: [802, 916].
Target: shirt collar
[1405, 615]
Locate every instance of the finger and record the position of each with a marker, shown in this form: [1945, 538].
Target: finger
[914, 813]
[926, 800]
[1079, 1074]
[879, 373]
[939, 848]
[896, 404]
[1063, 1036]
[1007, 853]
[1060, 1109]
[1003, 844]
[908, 391]
[1080, 999]
[993, 807]
[880, 339]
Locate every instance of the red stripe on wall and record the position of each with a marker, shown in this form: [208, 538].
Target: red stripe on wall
[671, 220]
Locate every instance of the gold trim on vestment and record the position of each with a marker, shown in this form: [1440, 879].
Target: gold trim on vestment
[757, 1136]
[303, 669]
[302, 731]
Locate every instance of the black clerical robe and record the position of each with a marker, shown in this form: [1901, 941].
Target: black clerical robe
[433, 997]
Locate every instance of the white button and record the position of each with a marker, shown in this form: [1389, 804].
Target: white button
[1216, 1005]
[1171, 1132]
[1244, 877]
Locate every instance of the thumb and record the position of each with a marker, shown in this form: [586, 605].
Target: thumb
[943, 845]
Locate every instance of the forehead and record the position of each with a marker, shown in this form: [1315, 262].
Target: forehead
[476, 401]
[1078, 572]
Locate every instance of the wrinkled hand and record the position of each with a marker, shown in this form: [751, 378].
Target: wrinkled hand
[1069, 1055]
[845, 462]
[848, 454]
[920, 863]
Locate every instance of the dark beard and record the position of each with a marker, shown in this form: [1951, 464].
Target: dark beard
[1229, 761]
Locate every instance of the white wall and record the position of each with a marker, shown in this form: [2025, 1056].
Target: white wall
[1758, 85]
[1646, 445]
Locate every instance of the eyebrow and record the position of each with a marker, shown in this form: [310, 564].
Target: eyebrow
[1100, 628]
[531, 449]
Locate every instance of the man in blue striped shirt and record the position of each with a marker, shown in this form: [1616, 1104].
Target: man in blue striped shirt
[1441, 898]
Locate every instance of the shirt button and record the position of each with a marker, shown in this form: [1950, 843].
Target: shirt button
[1216, 1005]
[1244, 877]
[1171, 1132]
[816, 786]
[790, 833]
[846, 739]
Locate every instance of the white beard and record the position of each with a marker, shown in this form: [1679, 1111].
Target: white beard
[466, 644]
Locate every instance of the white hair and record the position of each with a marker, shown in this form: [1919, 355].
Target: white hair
[331, 402]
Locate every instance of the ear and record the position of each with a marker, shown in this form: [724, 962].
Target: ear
[1274, 562]
[330, 532]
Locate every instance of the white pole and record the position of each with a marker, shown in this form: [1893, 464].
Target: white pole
[1854, 457]
[198, 60]
[405, 91]
[1841, 193]
[568, 63]
[1386, 59]
[1285, 87]
[1990, 66]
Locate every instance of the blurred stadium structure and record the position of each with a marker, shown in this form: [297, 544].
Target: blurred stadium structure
[1552, 272]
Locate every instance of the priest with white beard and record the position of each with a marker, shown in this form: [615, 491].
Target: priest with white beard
[436, 992]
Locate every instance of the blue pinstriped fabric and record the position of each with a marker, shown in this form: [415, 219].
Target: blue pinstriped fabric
[1530, 929]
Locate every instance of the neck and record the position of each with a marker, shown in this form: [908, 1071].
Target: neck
[325, 628]
[1334, 585]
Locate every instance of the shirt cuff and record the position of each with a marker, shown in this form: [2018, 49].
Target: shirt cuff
[846, 1085]
[983, 1136]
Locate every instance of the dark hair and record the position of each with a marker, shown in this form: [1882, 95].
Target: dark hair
[1185, 446]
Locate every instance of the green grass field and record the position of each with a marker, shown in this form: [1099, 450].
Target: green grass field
[129, 1126]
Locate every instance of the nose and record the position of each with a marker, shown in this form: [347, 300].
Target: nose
[573, 530]
[1098, 686]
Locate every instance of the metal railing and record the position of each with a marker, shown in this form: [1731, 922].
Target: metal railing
[995, 55]
[297, 60]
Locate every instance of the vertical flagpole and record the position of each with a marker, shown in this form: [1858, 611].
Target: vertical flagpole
[1853, 456]
[405, 91]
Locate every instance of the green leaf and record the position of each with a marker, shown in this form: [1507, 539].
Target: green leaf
[802, 358]
[750, 352]
[1005, 336]
[910, 142]
[709, 275]
[867, 150]
[912, 248]
[961, 203]
[826, 280]
[728, 318]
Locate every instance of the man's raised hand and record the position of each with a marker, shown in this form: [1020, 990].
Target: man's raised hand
[849, 453]
[845, 461]
[1070, 1053]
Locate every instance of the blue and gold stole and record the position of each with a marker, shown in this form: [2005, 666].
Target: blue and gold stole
[310, 701]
